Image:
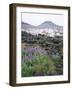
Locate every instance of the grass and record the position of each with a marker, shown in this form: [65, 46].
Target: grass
[38, 63]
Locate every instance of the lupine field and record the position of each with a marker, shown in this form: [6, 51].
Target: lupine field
[41, 55]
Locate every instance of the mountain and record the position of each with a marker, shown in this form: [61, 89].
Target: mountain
[49, 24]
[46, 24]
[26, 25]
[46, 28]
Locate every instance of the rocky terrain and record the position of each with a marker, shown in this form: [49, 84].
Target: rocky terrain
[47, 28]
[51, 46]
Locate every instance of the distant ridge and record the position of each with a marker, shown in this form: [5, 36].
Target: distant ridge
[26, 25]
[47, 28]
[46, 24]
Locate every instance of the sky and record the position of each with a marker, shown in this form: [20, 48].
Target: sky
[38, 18]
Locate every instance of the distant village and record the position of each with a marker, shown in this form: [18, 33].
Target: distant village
[44, 31]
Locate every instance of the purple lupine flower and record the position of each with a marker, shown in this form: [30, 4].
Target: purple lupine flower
[32, 53]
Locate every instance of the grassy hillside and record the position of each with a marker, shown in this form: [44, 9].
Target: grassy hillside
[41, 55]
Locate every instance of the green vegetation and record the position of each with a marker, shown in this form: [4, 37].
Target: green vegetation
[46, 58]
[43, 65]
